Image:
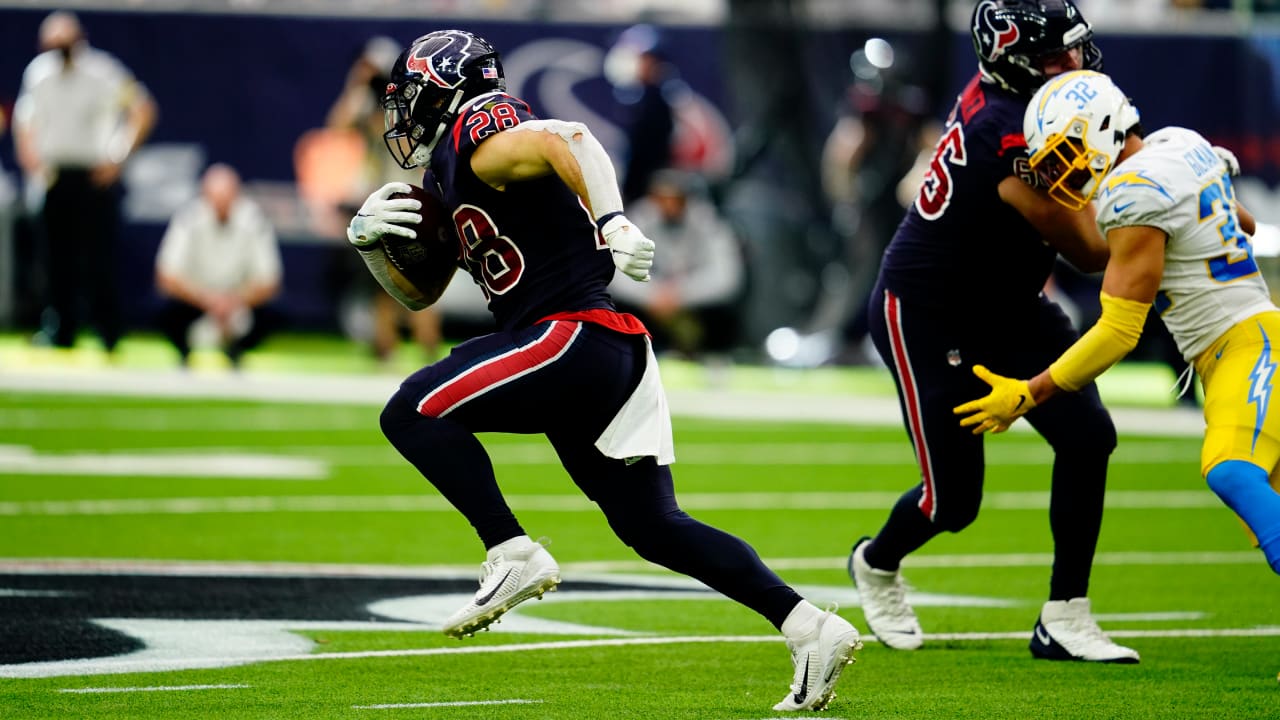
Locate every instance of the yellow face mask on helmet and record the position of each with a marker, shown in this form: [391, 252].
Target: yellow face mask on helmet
[1075, 127]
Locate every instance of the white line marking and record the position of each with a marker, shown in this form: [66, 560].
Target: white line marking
[92, 566]
[365, 390]
[763, 501]
[459, 703]
[161, 688]
[704, 639]
[21, 460]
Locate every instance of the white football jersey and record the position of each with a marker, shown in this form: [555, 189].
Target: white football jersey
[1178, 184]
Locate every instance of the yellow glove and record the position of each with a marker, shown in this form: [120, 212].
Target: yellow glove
[1008, 400]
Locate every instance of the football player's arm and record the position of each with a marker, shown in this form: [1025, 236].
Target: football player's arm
[1247, 222]
[1128, 288]
[1073, 233]
[536, 148]
[396, 284]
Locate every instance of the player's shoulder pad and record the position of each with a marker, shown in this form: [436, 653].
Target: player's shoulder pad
[1136, 193]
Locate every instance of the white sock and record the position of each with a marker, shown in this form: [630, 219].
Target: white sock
[801, 620]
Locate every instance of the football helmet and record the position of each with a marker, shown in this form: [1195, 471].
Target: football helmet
[1013, 38]
[1075, 128]
[429, 82]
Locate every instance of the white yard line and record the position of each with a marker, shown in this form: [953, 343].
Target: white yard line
[457, 703]
[126, 566]
[761, 501]
[159, 688]
[374, 390]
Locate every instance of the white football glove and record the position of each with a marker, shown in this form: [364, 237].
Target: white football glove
[632, 252]
[379, 215]
[1228, 157]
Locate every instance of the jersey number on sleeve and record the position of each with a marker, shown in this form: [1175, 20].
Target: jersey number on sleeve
[935, 191]
[1216, 203]
[489, 121]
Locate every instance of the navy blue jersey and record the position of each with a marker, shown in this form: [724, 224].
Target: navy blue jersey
[959, 243]
[532, 248]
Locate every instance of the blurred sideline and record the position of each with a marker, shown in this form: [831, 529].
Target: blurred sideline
[318, 370]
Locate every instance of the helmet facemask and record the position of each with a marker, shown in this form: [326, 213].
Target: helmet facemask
[416, 118]
[1069, 168]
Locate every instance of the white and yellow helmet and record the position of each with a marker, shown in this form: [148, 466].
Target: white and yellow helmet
[1075, 126]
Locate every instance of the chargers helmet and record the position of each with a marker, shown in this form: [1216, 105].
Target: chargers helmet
[1075, 126]
[429, 82]
[1013, 38]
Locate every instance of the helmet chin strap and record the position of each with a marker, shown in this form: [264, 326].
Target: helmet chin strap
[421, 155]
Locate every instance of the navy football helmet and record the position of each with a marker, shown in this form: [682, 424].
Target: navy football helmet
[1013, 38]
[429, 82]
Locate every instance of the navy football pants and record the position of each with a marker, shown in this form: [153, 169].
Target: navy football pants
[564, 379]
[931, 354]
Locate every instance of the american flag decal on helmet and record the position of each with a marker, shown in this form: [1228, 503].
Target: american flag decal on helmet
[489, 72]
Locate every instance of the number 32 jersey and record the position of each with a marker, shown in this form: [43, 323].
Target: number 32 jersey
[533, 248]
[1177, 184]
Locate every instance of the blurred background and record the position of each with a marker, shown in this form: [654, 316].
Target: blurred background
[793, 123]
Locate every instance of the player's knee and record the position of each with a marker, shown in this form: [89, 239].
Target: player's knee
[1092, 437]
[647, 534]
[1232, 479]
[955, 517]
[397, 418]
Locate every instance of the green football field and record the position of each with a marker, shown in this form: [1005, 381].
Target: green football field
[220, 556]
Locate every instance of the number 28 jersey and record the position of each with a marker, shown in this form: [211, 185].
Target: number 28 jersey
[1177, 184]
[959, 240]
[533, 248]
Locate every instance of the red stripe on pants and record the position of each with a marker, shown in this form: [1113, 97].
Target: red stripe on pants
[498, 371]
[911, 399]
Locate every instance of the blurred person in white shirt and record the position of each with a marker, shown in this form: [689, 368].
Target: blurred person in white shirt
[219, 258]
[78, 117]
[690, 304]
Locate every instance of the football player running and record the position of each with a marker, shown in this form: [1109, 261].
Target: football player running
[537, 214]
[1179, 239]
[968, 263]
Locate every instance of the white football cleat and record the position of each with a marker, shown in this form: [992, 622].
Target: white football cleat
[1066, 630]
[515, 571]
[884, 603]
[819, 656]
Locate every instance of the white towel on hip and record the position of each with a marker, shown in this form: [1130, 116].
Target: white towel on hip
[642, 427]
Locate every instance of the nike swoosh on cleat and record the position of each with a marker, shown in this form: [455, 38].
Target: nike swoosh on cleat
[482, 600]
[803, 692]
[1043, 635]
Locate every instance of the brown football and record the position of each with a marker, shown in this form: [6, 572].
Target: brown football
[428, 261]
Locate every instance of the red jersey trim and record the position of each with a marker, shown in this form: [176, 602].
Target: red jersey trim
[624, 323]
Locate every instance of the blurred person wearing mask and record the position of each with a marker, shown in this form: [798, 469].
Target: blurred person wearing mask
[872, 164]
[689, 304]
[644, 80]
[219, 258]
[79, 116]
[359, 109]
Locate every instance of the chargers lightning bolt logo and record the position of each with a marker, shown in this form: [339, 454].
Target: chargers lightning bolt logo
[1260, 385]
[1133, 179]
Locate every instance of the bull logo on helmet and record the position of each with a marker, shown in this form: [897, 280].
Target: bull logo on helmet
[440, 58]
[995, 34]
